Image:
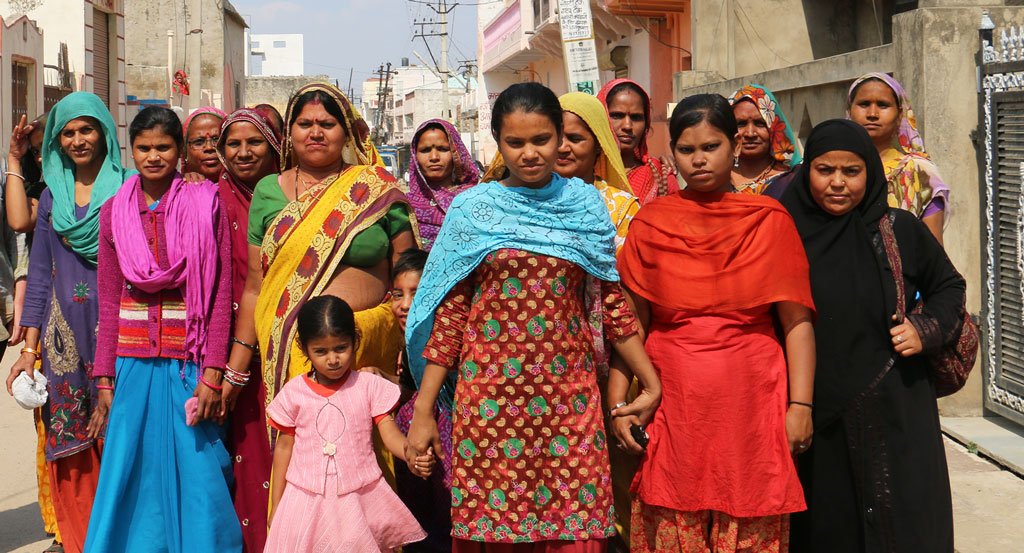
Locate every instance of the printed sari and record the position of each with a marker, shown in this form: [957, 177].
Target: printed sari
[915, 184]
[302, 250]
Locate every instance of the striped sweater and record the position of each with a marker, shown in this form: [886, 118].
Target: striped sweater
[134, 323]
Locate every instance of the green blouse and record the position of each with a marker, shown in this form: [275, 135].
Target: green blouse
[368, 248]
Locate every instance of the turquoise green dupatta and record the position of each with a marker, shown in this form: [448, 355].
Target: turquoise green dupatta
[59, 173]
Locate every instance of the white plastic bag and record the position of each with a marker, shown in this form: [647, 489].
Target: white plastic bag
[30, 393]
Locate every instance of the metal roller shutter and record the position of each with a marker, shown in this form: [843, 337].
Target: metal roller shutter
[101, 55]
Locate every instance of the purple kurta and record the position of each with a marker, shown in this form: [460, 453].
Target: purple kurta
[61, 303]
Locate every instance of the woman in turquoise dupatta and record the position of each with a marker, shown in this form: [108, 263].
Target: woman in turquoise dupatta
[82, 168]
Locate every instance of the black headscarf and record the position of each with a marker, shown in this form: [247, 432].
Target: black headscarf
[853, 290]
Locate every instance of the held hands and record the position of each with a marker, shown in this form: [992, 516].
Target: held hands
[422, 465]
[209, 397]
[422, 441]
[905, 338]
[639, 412]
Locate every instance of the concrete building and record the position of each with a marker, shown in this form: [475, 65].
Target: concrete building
[414, 94]
[417, 95]
[520, 40]
[276, 90]
[276, 55]
[204, 38]
[21, 65]
[92, 31]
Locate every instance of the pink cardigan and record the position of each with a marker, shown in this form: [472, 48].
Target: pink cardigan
[134, 323]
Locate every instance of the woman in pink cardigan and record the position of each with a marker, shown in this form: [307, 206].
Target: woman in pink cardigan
[165, 314]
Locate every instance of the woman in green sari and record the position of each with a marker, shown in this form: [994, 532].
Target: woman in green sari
[332, 222]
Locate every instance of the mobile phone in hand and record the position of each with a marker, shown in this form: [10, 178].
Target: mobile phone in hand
[639, 435]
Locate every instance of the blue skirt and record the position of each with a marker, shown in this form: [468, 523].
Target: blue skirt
[164, 486]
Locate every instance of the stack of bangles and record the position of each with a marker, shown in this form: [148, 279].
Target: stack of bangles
[237, 379]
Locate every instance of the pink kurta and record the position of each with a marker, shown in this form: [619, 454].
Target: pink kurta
[336, 498]
[718, 440]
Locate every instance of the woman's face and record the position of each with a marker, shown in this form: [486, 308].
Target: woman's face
[155, 154]
[35, 141]
[628, 119]
[875, 108]
[704, 156]
[82, 141]
[529, 143]
[247, 153]
[318, 137]
[577, 154]
[434, 156]
[753, 136]
[838, 181]
[201, 146]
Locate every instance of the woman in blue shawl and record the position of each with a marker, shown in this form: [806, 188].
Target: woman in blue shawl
[503, 301]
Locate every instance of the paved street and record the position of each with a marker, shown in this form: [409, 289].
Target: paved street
[988, 501]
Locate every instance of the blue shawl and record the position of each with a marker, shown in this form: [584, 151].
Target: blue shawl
[566, 219]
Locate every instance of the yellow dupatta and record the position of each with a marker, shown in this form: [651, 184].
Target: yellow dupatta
[305, 243]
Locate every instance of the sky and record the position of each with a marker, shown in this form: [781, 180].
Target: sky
[360, 35]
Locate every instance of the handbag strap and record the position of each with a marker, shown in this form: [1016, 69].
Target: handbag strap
[892, 253]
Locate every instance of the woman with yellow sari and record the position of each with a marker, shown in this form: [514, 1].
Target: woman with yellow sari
[332, 222]
[589, 152]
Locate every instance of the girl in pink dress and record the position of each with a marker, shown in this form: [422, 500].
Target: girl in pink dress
[328, 491]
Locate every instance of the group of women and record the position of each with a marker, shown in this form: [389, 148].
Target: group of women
[603, 350]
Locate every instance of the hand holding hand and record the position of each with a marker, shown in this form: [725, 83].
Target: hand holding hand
[209, 399]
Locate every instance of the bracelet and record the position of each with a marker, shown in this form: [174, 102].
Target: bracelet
[103, 387]
[801, 403]
[236, 383]
[13, 174]
[27, 349]
[235, 378]
[213, 387]
[239, 375]
[246, 345]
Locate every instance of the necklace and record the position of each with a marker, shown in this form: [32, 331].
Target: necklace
[758, 181]
[325, 421]
[307, 185]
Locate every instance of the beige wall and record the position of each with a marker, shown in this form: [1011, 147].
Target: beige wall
[214, 59]
[233, 70]
[276, 90]
[20, 41]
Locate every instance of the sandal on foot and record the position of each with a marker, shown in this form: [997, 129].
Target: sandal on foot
[55, 547]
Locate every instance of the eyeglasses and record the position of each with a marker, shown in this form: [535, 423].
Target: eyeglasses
[200, 143]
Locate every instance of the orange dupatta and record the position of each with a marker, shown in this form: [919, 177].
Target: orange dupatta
[714, 253]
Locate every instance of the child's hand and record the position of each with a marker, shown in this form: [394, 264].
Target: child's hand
[423, 464]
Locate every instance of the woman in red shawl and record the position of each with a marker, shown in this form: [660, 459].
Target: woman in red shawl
[249, 147]
[629, 111]
[711, 272]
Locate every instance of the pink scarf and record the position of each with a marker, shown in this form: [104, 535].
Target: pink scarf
[191, 249]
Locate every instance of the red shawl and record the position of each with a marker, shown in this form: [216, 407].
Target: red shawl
[715, 253]
[650, 178]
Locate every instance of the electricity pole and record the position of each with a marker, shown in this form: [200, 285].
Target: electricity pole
[383, 92]
[442, 9]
